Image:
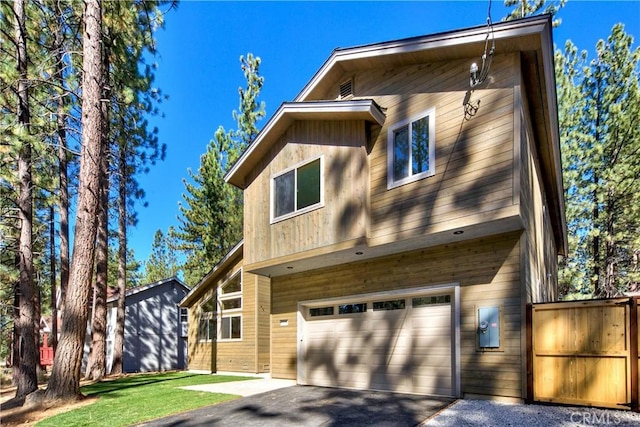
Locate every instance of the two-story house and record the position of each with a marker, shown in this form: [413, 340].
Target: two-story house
[405, 209]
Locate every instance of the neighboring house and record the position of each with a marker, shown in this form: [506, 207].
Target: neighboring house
[229, 319]
[155, 327]
[404, 219]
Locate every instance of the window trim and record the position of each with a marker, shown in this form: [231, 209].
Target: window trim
[229, 316]
[272, 218]
[232, 312]
[183, 314]
[209, 317]
[391, 182]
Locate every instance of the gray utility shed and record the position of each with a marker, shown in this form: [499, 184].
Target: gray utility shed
[155, 328]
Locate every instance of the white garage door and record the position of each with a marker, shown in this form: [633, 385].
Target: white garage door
[397, 343]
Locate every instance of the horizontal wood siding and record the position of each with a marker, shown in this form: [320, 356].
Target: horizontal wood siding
[199, 353]
[488, 271]
[474, 156]
[263, 316]
[540, 254]
[240, 356]
[250, 354]
[343, 144]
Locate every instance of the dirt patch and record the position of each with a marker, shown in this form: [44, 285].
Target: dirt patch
[16, 413]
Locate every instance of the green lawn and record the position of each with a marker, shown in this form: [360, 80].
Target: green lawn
[134, 399]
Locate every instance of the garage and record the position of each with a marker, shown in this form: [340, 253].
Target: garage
[396, 341]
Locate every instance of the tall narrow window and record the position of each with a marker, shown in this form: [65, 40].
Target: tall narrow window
[411, 149]
[207, 320]
[230, 313]
[297, 190]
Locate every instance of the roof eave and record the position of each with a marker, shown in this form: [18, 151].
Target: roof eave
[363, 109]
[444, 40]
[220, 267]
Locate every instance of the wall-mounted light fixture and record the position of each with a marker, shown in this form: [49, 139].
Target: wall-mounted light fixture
[473, 72]
[477, 75]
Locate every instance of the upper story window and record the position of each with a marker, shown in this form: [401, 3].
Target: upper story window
[411, 149]
[297, 190]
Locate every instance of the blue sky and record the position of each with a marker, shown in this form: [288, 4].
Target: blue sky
[199, 67]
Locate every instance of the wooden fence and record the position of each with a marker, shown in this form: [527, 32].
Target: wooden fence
[584, 353]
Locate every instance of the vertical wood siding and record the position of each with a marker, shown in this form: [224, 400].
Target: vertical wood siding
[582, 353]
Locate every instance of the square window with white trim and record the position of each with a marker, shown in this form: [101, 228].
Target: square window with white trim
[297, 190]
[411, 149]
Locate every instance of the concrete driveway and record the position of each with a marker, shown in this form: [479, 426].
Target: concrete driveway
[312, 406]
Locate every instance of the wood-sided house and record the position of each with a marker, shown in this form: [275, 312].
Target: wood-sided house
[404, 219]
[229, 319]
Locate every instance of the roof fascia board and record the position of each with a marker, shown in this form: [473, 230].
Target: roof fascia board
[501, 30]
[552, 109]
[290, 111]
[143, 288]
[220, 266]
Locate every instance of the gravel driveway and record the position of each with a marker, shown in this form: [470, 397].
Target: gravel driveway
[476, 413]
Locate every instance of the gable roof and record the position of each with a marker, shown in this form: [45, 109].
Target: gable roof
[212, 275]
[363, 109]
[133, 291]
[530, 37]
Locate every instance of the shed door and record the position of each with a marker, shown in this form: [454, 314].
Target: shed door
[397, 344]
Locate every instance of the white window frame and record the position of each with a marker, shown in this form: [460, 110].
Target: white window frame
[296, 212]
[233, 312]
[208, 316]
[229, 316]
[391, 182]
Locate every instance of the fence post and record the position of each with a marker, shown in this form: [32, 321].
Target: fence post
[633, 353]
[529, 328]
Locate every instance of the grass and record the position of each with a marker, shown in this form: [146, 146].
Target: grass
[134, 399]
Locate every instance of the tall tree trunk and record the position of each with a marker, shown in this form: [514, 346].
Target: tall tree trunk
[598, 281]
[118, 346]
[97, 361]
[65, 376]
[63, 183]
[25, 374]
[595, 244]
[611, 259]
[52, 268]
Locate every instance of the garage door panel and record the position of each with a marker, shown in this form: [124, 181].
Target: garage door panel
[404, 350]
[392, 382]
[401, 344]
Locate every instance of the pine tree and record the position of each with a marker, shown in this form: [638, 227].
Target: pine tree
[211, 221]
[163, 260]
[64, 382]
[524, 8]
[602, 168]
[25, 375]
